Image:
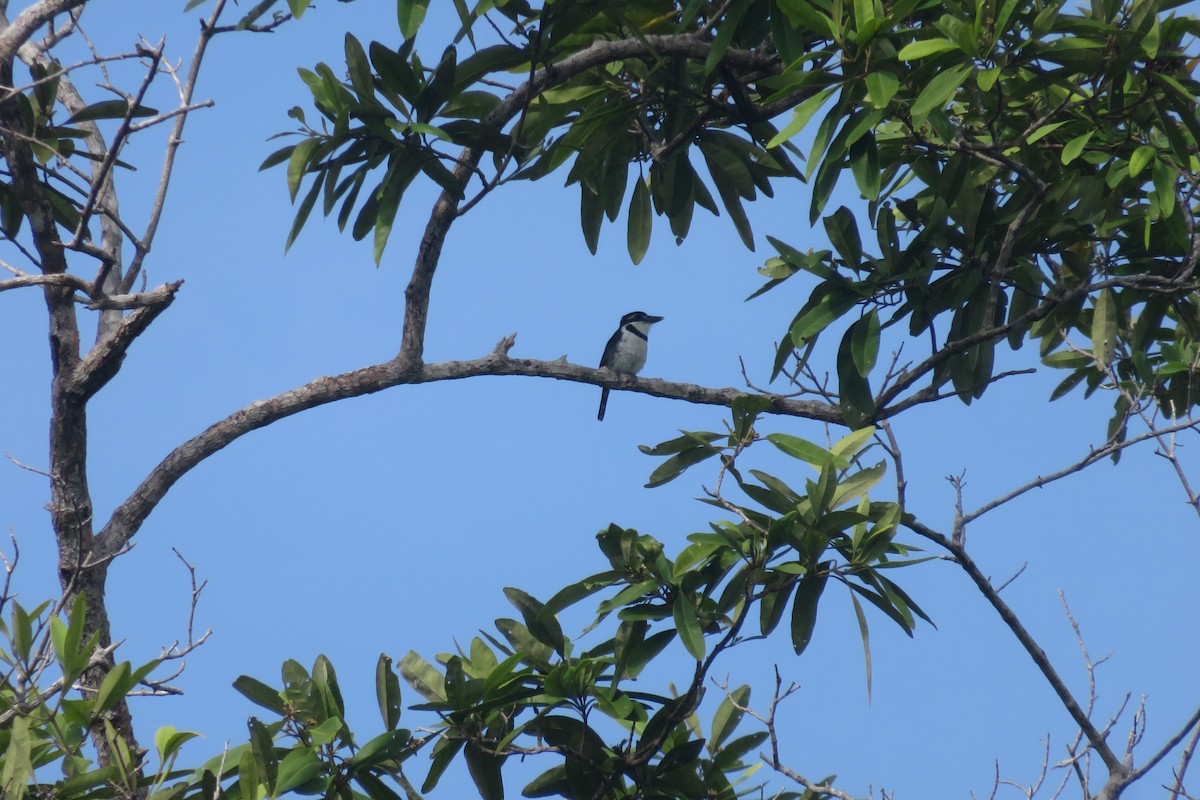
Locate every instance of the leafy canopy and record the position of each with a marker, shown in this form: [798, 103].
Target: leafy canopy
[1028, 171]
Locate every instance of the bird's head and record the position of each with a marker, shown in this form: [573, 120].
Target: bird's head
[640, 316]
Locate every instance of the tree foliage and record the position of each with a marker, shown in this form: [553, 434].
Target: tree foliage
[1028, 170]
[1028, 177]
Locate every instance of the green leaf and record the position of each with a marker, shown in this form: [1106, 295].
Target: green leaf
[591, 216]
[260, 694]
[359, 68]
[688, 624]
[410, 14]
[802, 449]
[302, 213]
[1165, 181]
[804, 608]
[728, 715]
[851, 443]
[864, 165]
[389, 194]
[881, 88]
[854, 391]
[680, 443]
[776, 593]
[248, 778]
[384, 747]
[640, 221]
[67, 639]
[387, 692]
[1044, 131]
[168, 740]
[423, 676]
[262, 747]
[730, 756]
[939, 91]
[298, 165]
[642, 653]
[801, 116]
[925, 48]
[864, 342]
[804, 14]
[858, 484]
[676, 465]
[109, 109]
[297, 768]
[1073, 148]
[531, 649]
[573, 593]
[485, 772]
[843, 235]
[720, 42]
[826, 304]
[551, 783]
[1105, 318]
[666, 718]
[866, 639]
[544, 627]
[17, 772]
[443, 753]
[113, 688]
[1140, 159]
[395, 72]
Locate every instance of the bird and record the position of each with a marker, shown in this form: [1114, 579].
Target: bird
[625, 352]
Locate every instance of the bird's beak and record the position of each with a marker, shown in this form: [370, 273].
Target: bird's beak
[653, 320]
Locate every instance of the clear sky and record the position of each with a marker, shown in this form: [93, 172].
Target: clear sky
[392, 522]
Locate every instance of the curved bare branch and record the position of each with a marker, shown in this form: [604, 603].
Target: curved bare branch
[129, 516]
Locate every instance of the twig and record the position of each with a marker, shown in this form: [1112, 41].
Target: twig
[1105, 450]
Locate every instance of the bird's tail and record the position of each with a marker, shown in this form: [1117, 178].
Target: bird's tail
[603, 403]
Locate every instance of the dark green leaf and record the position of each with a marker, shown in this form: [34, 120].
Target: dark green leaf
[485, 772]
[443, 753]
[543, 627]
[109, 109]
[387, 692]
[410, 14]
[802, 449]
[864, 342]
[688, 625]
[260, 694]
[866, 639]
[640, 222]
[676, 465]
[423, 676]
[297, 768]
[804, 608]
[359, 68]
[843, 234]
[729, 715]
[854, 391]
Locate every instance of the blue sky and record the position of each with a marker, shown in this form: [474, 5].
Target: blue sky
[392, 522]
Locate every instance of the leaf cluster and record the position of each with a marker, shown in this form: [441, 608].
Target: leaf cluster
[44, 725]
[1029, 170]
[1030, 174]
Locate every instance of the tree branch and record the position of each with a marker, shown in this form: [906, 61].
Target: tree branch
[104, 360]
[1040, 659]
[129, 516]
[1108, 449]
[29, 21]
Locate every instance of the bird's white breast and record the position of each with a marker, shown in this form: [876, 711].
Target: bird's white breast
[630, 356]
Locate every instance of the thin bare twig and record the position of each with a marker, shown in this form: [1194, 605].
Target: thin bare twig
[1094, 455]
